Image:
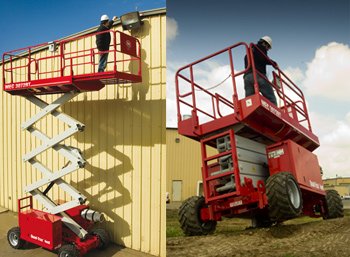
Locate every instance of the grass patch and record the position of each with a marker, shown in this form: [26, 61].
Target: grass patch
[172, 224]
[173, 231]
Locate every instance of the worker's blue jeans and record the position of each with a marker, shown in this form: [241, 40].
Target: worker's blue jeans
[103, 62]
[264, 87]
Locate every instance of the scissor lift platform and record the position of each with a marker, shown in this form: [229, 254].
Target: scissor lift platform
[257, 159]
[26, 71]
[254, 117]
[256, 121]
[65, 67]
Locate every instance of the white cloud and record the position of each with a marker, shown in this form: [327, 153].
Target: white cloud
[326, 77]
[295, 74]
[171, 29]
[334, 152]
[171, 112]
[327, 74]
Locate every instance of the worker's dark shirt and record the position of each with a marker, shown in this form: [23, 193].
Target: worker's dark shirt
[259, 60]
[104, 40]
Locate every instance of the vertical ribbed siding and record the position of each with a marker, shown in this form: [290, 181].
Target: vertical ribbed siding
[183, 163]
[123, 143]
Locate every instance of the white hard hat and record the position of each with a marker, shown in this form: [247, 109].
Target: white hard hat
[268, 40]
[104, 17]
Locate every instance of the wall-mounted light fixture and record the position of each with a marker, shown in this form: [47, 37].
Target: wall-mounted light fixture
[131, 21]
[52, 46]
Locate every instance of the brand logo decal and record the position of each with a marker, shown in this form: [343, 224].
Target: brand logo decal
[276, 153]
[315, 185]
[40, 239]
[270, 108]
[128, 44]
[248, 102]
[237, 203]
[17, 85]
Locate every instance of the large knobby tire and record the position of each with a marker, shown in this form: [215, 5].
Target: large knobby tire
[189, 218]
[334, 205]
[103, 237]
[284, 197]
[68, 250]
[14, 238]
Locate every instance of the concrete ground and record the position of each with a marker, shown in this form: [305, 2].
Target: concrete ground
[9, 219]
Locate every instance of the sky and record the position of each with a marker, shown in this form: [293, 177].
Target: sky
[311, 43]
[30, 22]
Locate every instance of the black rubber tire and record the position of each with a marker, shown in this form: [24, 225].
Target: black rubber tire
[189, 218]
[260, 221]
[68, 250]
[103, 236]
[284, 197]
[13, 238]
[334, 205]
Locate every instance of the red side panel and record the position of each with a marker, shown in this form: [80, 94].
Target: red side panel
[41, 228]
[303, 164]
[128, 45]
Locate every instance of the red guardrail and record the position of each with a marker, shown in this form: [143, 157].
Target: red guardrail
[290, 95]
[20, 200]
[27, 64]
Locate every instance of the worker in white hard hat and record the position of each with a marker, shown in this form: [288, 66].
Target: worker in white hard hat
[103, 40]
[264, 44]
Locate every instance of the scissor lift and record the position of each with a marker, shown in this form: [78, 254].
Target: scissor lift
[63, 226]
[263, 167]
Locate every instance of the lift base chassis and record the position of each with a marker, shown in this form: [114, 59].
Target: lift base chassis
[248, 191]
[48, 231]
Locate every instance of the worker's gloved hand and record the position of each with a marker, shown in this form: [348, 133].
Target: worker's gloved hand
[274, 64]
[115, 18]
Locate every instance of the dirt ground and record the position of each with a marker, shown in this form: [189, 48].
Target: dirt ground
[299, 237]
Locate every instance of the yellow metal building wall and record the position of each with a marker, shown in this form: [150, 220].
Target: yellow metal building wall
[123, 143]
[337, 181]
[183, 163]
[342, 185]
[342, 190]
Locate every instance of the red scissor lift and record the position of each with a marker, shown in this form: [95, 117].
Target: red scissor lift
[257, 159]
[68, 68]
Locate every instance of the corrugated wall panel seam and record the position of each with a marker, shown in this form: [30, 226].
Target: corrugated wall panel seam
[148, 224]
[146, 155]
[163, 143]
[152, 134]
[159, 132]
[13, 174]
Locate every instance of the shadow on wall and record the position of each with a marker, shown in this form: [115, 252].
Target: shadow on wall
[116, 132]
[119, 134]
[139, 90]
